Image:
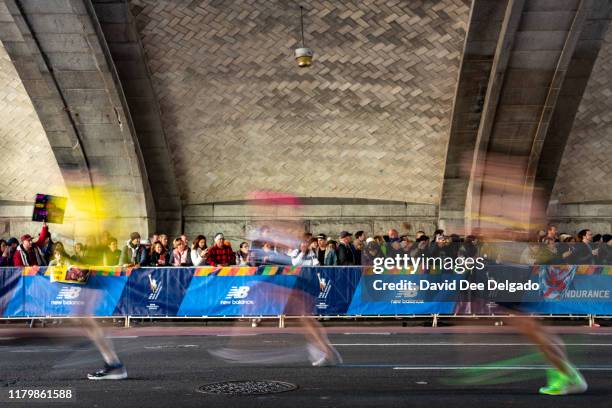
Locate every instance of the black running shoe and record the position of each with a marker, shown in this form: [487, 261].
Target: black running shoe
[109, 372]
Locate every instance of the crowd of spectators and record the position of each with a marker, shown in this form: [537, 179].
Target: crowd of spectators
[585, 248]
[550, 247]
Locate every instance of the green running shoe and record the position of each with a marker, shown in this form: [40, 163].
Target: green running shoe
[562, 384]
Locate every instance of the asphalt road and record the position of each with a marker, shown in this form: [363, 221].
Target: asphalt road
[381, 369]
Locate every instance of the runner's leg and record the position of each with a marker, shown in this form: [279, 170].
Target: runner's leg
[96, 335]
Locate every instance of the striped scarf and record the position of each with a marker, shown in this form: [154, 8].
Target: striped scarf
[40, 259]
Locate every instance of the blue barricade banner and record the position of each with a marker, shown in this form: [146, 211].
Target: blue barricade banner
[237, 295]
[373, 297]
[572, 289]
[239, 291]
[10, 279]
[35, 295]
[275, 290]
[155, 291]
[336, 289]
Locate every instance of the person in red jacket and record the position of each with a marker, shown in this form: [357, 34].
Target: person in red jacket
[29, 253]
[220, 254]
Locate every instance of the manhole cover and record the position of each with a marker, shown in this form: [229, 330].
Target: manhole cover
[247, 387]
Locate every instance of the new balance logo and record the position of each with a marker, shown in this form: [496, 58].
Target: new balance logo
[238, 292]
[68, 293]
[408, 293]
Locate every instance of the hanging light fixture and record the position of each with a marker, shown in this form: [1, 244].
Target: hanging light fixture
[303, 55]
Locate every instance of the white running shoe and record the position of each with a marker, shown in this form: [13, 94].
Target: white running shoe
[320, 358]
[114, 372]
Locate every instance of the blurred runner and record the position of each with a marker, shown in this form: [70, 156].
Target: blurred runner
[96, 206]
[113, 367]
[78, 278]
[270, 246]
[504, 207]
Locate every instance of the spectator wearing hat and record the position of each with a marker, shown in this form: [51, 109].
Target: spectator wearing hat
[12, 244]
[29, 253]
[331, 253]
[133, 253]
[220, 254]
[346, 251]
[321, 248]
[421, 247]
[441, 247]
[371, 252]
[394, 247]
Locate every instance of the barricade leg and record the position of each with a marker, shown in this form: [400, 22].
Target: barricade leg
[434, 322]
[127, 322]
[281, 321]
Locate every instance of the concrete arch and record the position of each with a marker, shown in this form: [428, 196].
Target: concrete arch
[56, 50]
[539, 64]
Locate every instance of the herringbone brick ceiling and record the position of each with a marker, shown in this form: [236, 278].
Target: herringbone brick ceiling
[28, 164]
[584, 174]
[369, 119]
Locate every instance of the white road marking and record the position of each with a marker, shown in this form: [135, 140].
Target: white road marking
[121, 337]
[529, 367]
[464, 344]
[171, 346]
[46, 350]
